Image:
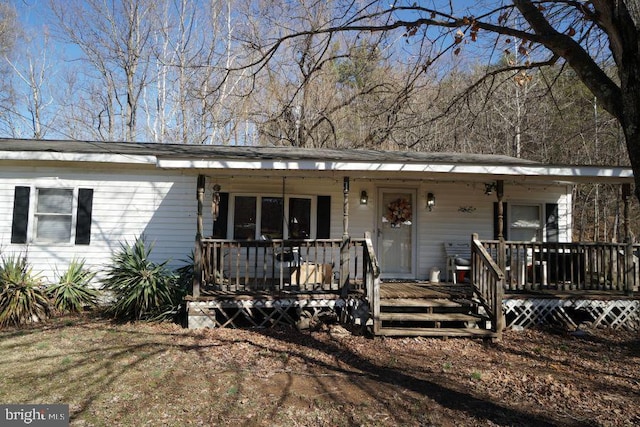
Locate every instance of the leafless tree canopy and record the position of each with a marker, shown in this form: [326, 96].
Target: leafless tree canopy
[554, 81]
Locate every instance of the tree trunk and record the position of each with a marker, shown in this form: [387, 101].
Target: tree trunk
[621, 22]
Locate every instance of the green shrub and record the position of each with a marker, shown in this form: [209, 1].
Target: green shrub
[141, 289]
[23, 299]
[72, 291]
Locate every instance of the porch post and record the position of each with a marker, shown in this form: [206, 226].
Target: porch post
[502, 261]
[630, 272]
[344, 248]
[626, 195]
[197, 253]
[502, 249]
[345, 208]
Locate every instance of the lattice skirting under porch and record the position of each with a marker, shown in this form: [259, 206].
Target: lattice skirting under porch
[570, 313]
[255, 312]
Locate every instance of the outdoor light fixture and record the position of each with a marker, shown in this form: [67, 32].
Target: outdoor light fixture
[431, 201]
[489, 188]
[364, 198]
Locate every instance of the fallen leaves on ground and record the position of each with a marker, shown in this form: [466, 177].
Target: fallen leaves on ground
[161, 374]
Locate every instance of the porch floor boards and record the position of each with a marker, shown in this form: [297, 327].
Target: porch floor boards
[604, 295]
[424, 290]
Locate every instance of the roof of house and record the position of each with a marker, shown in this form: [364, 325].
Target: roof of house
[201, 151]
[370, 162]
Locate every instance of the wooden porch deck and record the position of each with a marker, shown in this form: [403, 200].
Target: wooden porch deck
[448, 309]
[242, 279]
[426, 289]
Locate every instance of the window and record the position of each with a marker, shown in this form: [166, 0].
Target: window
[273, 217]
[525, 223]
[55, 215]
[299, 218]
[244, 220]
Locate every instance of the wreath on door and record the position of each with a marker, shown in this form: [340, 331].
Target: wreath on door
[399, 212]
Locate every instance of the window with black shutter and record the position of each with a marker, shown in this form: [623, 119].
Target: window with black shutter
[53, 215]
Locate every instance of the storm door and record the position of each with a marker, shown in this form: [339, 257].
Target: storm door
[396, 233]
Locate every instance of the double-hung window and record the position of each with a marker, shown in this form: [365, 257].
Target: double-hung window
[52, 215]
[525, 223]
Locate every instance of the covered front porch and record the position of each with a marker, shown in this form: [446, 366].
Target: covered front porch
[274, 261]
[262, 283]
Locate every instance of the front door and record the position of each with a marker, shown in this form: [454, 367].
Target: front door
[396, 233]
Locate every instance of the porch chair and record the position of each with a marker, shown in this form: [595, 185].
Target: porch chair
[458, 259]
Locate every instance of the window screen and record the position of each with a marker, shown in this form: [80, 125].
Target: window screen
[271, 217]
[54, 215]
[299, 218]
[525, 223]
[244, 220]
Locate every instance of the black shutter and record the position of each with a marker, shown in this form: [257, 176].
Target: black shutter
[551, 221]
[83, 217]
[220, 225]
[323, 222]
[20, 215]
[505, 221]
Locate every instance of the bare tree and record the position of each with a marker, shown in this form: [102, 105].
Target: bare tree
[581, 34]
[8, 30]
[114, 38]
[35, 73]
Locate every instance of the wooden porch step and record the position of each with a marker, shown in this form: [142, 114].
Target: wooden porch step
[430, 317]
[438, 332]
[418, 302]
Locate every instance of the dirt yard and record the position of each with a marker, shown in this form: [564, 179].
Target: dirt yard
[141, 374]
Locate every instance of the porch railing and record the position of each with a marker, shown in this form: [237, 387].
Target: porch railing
[372, 282]
[488, 281]
[570, 266]
[322, 265]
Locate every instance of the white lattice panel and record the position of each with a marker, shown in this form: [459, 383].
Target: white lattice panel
[613, 314]
[253, 312]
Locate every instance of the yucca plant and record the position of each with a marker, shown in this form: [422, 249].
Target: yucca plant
[141, 289]
[72, 291]
[23, 299]
[185, 274]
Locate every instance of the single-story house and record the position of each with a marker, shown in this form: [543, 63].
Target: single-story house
[257, 218]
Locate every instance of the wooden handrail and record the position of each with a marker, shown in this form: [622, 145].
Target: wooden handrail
[372, 282]
[373, 259]
[488, 283]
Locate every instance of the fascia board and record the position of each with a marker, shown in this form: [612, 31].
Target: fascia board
[49, 156]
[583, 172]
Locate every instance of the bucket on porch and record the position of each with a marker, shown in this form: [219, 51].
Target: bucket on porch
[461, 276]
[434, 277]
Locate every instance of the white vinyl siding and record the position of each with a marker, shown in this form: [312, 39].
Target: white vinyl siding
[162, 206]
[126, 205]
